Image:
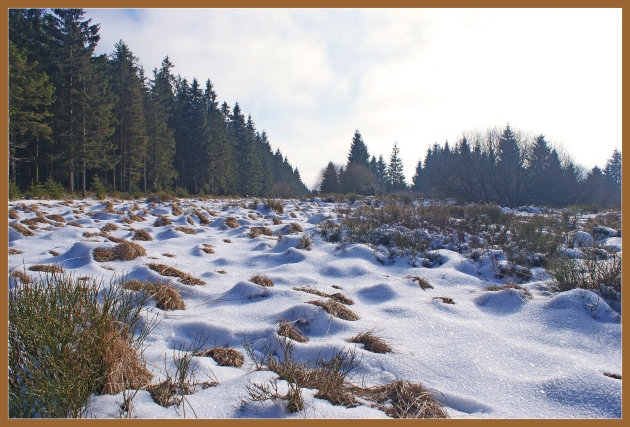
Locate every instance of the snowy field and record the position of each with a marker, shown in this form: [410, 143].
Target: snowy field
[482, 353]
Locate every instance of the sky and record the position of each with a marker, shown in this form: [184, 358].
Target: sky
[415, 77]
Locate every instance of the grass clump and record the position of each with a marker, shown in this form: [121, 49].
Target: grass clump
[69, 339]
[289, 330]
[337, 296]
[445, 300]
[75, 224]
[274, 205]
[202, 217]
[257, 231]
[305, 242]
[142, 235]
[371, 342]
[186, 230]
[13, 214]
[124, 251]
[423, 283]
[20, 228]
[207, 248]
[109, 227]
[21, 276]
[510, 285]
[261, 280]
[162, 221]
[13, 251]
[275, 220]
[224, 356]
[335, 309]
[404, 399]
[602, 275]
[166, 296]
[184, 278]
[176, 210]
[231, 222]
[46, 268]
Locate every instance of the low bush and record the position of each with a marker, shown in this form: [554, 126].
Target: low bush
[69, 339]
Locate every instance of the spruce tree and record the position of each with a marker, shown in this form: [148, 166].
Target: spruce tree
[330, 180]
[395, 177]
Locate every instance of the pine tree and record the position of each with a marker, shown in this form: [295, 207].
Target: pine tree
[330, 180]
[417, 179]
[130, 132]
[30, 95]
[509, 178]
[613, 170]
[358, 151]
[395, 177]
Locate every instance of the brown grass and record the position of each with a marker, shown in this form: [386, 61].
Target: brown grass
[13, 251]
[510, 285]
[21, 276]
[257, 231]
[47, 268]
[190, 221]
[168, 255]
[124, 370]
[125, 251]
[207, 248]
[202, 217]
[176, 210]
[55, 217]
[404, 399]
[162, 221]
[227, 240]
[293, 215]
[289, 330]
[142, 235]
[34, 221]
[261, 280]
[224, 356]
[276, 221]
[126, 221]
[337, 296]
[221, 271]
[166, 296]
[231, 222]
[109, 227]
[371, 342]
[335, 309]
[423, 283]
[134, 217]
[75, 224]
[185, 278]
[445, 300]
[13, 214]
[186, 230]
[294, 227]
[19, 227]
[53, 253]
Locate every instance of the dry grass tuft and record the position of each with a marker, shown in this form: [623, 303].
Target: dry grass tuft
[293, 215]
[190, 221]
[231, 222]
[176, 210]
[124, 251]
[224, 356]
[168, 255]
[13, 214]
[276, 221]
[371, 342]
[162, 221]
[615, 376]
[142, 235]
[404, 399]
[21, 276]
[202, 217]
[207, 248]
[423, 283]
[227, 240]
[293, 228]
[510, 285]
[221, 271]
[57, 218]
[134, 217]
[186, 230]
[109, 227]
[335, 309]
[75, 224]
[47, 268]
[338, 297]
[445, 300]
[166, 297]
[13, 251]
[126, 221]
[336, 287]
[257, 231]
[124, 370]
[289, 330]
[185, 278]
[19, 227]
[261, 280]
[53, 253]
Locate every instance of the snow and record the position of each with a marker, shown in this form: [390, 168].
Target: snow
[492, 354]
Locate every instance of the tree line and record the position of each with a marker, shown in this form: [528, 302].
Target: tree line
[488, 167]
[97, 121]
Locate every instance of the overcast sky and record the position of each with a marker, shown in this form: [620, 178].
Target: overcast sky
[310, 77]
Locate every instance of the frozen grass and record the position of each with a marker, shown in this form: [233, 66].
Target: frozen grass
[186, 230]
[162, 221]
[231, 222]
[20, 228]
[69, 339]
[335, 309]
[423, 283]
[510, 285]
[124, 251]
[185, 278]
[261, 280]
[224, 356]
[142, 235]
[258, 230]
[46, 268]
[371, 342]
[289, 330]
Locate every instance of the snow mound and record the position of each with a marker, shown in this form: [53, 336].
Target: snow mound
[377, 294]
[501, 303]
[317, 218]
[580, 304]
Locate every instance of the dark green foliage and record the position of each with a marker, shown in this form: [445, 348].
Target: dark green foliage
[394, 174]
[330, 180]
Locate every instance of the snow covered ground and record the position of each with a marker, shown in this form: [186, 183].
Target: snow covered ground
[491, 354]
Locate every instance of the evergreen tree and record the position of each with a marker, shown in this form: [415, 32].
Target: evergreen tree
[330, 180]
[130, 132]
[417, 180]
[30, 95]
[612, 171]
[395, 177]
[358, 151]
[509, 177]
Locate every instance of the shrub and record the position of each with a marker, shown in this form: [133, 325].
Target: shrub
[14, 191]
[69, 339]
[305, 242]
[98, 188]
